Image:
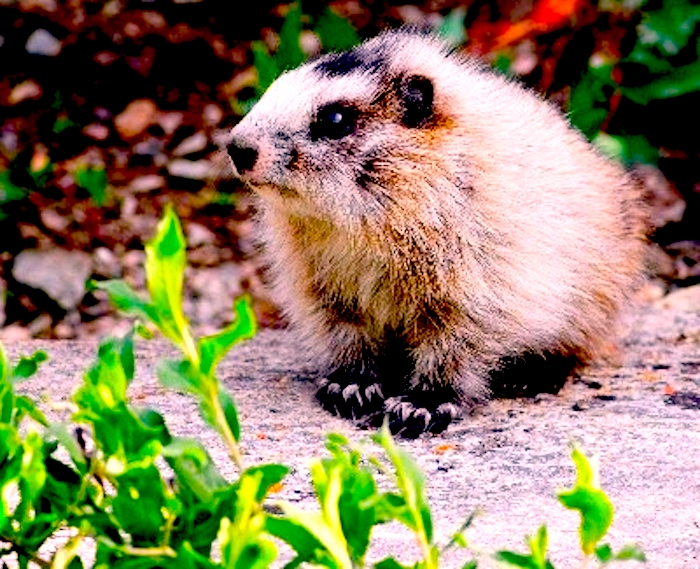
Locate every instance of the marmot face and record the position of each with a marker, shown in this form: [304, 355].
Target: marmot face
[437, 232]
[340, 138]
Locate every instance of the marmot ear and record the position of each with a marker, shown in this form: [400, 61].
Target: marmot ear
[416, 94]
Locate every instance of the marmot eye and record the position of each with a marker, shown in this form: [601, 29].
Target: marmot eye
[334, 121]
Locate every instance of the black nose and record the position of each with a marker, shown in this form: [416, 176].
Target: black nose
[243, 156]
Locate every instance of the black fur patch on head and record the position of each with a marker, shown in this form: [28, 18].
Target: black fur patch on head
[341, 64]
[416, 93]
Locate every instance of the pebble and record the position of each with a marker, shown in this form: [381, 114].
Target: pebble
[42, 42]
[135, 118]
[59, 273]
[28, 89]
[682, 299]
[199, 170]
[195, 143]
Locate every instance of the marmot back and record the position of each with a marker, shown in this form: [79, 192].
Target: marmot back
[438, 232]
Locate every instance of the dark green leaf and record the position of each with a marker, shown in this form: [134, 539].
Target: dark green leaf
[265, 65]
[8, 191]
[139, 504]
[124, 298]
[289, 54]
[28, 366]
[335, 32]
[194, 469]
[452, 27]
[589, 105]
[681, 81]
[390, 563]
[516, 559]
[94, 180]
[270, 474]
[604, 553]
[26, 406]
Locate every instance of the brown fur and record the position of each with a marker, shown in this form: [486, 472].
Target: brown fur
[421, 260]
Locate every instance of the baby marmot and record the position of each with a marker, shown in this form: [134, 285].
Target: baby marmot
[438, 232]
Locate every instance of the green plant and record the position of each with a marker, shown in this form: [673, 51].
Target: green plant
[99, 474]
[333, 32]
[664, 64]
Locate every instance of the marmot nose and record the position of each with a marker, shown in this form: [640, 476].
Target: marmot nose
[243, 156]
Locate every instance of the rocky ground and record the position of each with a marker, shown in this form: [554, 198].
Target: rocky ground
[639, 416]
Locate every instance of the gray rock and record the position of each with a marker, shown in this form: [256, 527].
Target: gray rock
[213, 290]
[59, 273]
[195, 143]
[199, 170]
[42, 42]
[682, 299]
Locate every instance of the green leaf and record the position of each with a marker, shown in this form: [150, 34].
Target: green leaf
[140, 504]
[631, 552]
[335, 32]
[265, 65]
[9, 192]
[241, 537]
[593, 504]
[32, 471]
[390, 563]
[452, 27]
[26, 406]
[126, 299]
[28, 366]
[516, 559]
[165, 266]
[670, 27]
[681, 81]
[181, 375]
[67, 440]
[94, 180]
[212, 348]
[411, 483]
[325, 526]
[194, 468]
[589, 105]
[537, 559]
[307, 547]
[604, 553]
[289, 54]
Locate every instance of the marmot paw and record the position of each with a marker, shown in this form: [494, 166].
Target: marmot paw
[410, 421]
[351, 401]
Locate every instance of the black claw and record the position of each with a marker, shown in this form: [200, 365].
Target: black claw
[409, 421]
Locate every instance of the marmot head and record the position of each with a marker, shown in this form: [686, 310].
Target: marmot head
[350, 135]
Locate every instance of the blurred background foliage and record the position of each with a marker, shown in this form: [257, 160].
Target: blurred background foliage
[110, 109]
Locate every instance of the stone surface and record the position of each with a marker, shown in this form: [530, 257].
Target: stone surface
[59, 273]
[135, 118]
[682, 299]
[42, 42]
[507, 457]
[194, 170]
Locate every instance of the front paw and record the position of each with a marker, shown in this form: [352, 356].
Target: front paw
[349, 399]
[409, 419]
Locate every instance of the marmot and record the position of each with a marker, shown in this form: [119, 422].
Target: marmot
[437, 231]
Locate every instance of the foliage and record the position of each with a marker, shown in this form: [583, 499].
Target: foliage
[333, 32]
[107, 483]
[663, 65]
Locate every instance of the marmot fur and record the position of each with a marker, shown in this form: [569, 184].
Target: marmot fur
[438, 232]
